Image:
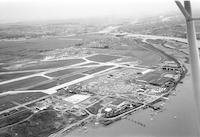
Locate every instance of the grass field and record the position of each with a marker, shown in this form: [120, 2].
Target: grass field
[15, 50]
[102, 58]
[98, 69]
[6, 104]
[53, 64]
[95, 108]
[15, 118]
[63, 72]
[151, 59]
[45, 86]
[151, 76]
[23, 97]
[55, 82]
[4, 77]
[117, 101]
[88, 64]
[41, 124]
[22, 83]
[11, 112]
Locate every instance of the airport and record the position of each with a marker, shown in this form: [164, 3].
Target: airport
[62, 78]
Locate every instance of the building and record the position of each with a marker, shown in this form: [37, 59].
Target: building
[161, 81]
[113, 111]
[171, 66]
[74, 99]
[147, 71]
[169, 63]
[175, 77]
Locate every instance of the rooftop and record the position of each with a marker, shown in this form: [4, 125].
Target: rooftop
[74, 99]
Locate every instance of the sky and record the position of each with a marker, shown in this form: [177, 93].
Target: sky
[36, 10]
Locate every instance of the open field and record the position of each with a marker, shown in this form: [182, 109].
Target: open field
[32, 48]
[117, 101]
[88, 64]
[5, 104]
[44, 123]
[98, 69]
[95, 108]
[22, 83]
[144, 57]
[4, 77]
[11, 112]
[56, 82]
[45, 86]
[53, 64]
[152, 59]
[40, 124]
[15, 118]
[63, 72]
[150, 76]
[23, 97]
[102, 58]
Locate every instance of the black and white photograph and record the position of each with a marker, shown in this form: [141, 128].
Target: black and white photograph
[99, 68]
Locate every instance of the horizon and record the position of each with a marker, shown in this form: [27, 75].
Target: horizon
[12, 11]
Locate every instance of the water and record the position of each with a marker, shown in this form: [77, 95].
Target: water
[178, 119]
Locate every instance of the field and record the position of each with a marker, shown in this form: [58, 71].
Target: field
[55, 83]
[40, 124]
[15, 118]
[53, 64]
[23, 97]
[22, 83]
[117, 101]
[98, 69]
[151, 59]
[88, 64]
[151, 76]
[95, 108]
[89, 101]
[4, 77]
[11, 112]
[6, 104]
[43, 123]
[143, 57]
[102, 58]
[63, 72]
[30, 49]
[160, 81]
[45, 86]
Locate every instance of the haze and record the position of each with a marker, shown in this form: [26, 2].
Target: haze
[37, 10]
